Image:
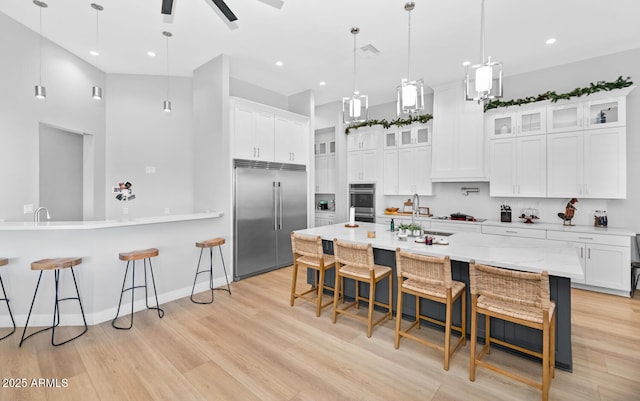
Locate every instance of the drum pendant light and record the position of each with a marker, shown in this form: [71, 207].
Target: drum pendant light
[410, 93]
[483, 81]
[40, 90]
[96, 91]
[166, 105]
[356, 106]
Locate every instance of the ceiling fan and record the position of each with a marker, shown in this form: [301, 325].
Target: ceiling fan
[167, 7]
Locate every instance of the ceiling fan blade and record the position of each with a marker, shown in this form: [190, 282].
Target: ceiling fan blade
[167, 7]
[222, 6]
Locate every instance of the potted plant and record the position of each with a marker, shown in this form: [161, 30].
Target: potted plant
[415, 230]
[403, 229]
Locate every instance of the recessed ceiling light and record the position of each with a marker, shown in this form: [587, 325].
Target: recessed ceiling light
[466, 63]
[550, 41]
[151, 54]
[279, 63]
[322, 83]
[94, 53]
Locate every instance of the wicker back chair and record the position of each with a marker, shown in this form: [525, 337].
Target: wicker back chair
[429, 278]
[307, 252]
[355, 262]
[519, 297]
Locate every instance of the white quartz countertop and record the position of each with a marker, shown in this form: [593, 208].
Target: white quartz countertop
[516, 223]
[524, 254]
[91, 225]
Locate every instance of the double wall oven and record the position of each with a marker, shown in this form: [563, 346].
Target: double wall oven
[363, 198]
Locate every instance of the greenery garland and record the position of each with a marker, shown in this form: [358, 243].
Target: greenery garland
[399, 122]
[554, 97]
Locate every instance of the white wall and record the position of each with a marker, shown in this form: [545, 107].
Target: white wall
[246, 90]
[68, 106]
[140, 134]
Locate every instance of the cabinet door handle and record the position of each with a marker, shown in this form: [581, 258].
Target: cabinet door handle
[579, 189]
[511, 232]
[588, 253]
[581, 253]
[254, 152]
[258, 152]
[588, 238]
[586, 189]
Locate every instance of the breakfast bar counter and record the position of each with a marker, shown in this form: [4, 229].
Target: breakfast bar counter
[100, 275]
[524, 254]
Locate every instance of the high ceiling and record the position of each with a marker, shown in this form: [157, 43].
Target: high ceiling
[312, 38]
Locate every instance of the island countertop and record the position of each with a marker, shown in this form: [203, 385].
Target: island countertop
[526, 254]
[98, 224]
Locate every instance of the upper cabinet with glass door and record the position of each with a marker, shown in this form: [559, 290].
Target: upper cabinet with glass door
[415, 135]
[517, 120]
[599, 110]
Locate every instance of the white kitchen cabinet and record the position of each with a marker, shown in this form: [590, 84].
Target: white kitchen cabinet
[253, 133]
[265, 133]
[599, 111]
[291, 137]
[324, 219]
[605, 258]
[516, 120]
[455, 227]
[587, 164]
[414, 171]
[390, 172]
[518, 166]
[325, 174]
[514, 231]
[458, 136]
[415, 135]
[390, 139]
[362, 166]
[363, 140]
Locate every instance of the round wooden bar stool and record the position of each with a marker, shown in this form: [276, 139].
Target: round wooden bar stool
[55, 264]
[145, 255]
[4, 262]
[210, 244]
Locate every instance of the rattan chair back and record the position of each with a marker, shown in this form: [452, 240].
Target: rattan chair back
[356, 255]
[427, 269]
[306, 245]
[515, 287]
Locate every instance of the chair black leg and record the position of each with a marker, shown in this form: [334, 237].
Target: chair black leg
[225, 272]
[210, 271]
[56, 314]
[153, 281]
[29, 315]
[124, 281]
[6, 299]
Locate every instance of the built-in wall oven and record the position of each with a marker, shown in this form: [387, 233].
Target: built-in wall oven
[363, 198]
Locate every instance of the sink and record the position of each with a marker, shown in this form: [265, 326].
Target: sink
[440, 233]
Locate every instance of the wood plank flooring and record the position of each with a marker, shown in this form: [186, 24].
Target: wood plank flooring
[253, 346]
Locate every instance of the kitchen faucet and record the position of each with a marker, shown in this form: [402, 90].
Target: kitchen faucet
[36, 214]
[416, 208]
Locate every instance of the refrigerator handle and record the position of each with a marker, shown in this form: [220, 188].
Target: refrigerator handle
[279, 205]
[275, 206]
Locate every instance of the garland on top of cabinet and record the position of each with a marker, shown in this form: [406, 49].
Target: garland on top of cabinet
[554, 97]
[399, 122]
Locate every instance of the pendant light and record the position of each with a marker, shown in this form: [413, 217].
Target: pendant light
[166, 105]
[410, 93]
[96, 91]
[356, 106]
[41, 90]
[483, 81]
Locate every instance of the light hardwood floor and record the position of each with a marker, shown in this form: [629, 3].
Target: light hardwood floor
[253, 346]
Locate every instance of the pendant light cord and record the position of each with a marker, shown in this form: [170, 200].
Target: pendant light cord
[168, 81]
[482, 31]
[40, 74]
[354, 63]
[97, 32]
[409, 52]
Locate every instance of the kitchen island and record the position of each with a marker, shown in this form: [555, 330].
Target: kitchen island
[532, 255]
[100, 275]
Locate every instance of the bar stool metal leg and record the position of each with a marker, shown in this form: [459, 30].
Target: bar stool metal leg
[210, 271]
[225, 272]
[6, 299]
[56, 310]
[132, 289]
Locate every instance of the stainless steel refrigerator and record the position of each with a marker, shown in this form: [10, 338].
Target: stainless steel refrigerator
[270, 201]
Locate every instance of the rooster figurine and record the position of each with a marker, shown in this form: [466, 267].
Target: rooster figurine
[569, 211]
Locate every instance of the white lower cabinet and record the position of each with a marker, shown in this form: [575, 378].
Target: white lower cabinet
[605, 259]
[324, 219]
[515, 232]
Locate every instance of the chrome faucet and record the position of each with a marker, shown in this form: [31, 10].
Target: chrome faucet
[36, 214]
[416, 208]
